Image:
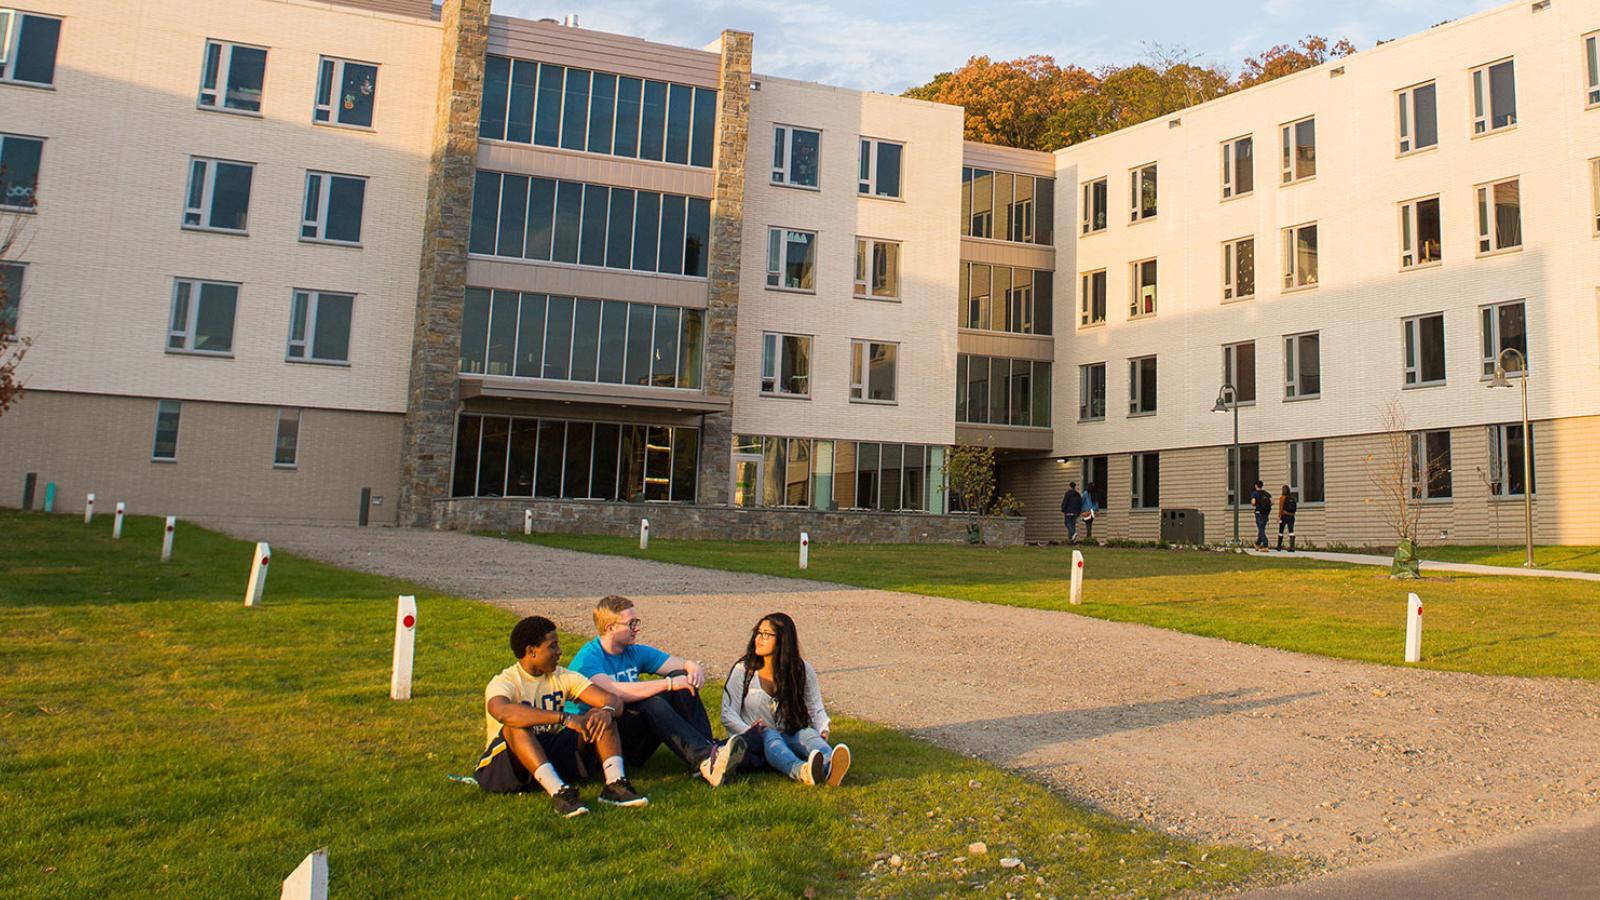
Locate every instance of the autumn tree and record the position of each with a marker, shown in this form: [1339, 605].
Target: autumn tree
[1010, 102]
[1168, 80]
[1284, 59]
[12, 347]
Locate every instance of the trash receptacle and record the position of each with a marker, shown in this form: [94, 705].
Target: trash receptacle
[1183, 526]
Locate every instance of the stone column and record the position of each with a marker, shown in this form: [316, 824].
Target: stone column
[727, 239]
[434, 393]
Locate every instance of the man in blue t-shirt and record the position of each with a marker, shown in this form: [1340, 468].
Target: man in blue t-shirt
[662, 710]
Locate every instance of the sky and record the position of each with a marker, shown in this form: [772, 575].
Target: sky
[889, 46]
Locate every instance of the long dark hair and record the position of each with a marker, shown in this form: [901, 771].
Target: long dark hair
[788, 672]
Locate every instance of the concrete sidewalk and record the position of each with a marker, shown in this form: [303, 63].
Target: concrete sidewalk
[1363, 559]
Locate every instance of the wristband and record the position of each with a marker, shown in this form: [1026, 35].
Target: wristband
[608, 709]
[563, 720]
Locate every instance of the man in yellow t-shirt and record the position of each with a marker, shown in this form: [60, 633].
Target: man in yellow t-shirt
[531, 737]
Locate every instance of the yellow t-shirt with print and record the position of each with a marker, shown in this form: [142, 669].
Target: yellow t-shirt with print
[548, 692]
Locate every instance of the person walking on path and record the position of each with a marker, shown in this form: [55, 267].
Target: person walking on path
[1286, 507]
[1071, 509]
[1262, 501]
[1090, 508]
[772, 698]
[665, 710]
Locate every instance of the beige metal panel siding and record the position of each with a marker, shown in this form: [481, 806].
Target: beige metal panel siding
[574, 166]
[1039, 484]
[1005, 253]
[1003, 436]
[1008, 159]
[1015, 346]
[421, 9]
[101, 444]
[598, 51]
[577, 281]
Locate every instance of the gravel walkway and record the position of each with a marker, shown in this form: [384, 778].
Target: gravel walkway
[1336, 761]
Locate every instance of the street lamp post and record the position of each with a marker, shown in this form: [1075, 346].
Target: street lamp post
[1498, 381]
[1227, 398]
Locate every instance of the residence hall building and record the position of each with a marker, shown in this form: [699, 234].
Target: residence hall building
[600, 278]
[1373, 232]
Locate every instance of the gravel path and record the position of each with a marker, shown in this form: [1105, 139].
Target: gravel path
[1336, 761]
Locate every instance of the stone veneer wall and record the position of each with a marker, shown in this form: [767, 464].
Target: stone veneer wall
[675, 521]
[727, 229]
[434, 393]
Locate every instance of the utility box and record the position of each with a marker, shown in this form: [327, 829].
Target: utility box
[1183, 526]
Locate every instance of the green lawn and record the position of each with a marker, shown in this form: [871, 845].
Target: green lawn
[1489, 625]
[158, 737]
[1577, 559]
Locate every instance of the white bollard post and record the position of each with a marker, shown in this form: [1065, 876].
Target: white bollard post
[405, 642]
[258, 574]
[527, 521]
[310, 880]
[116, 525]
[166, 540]
[805, 549]
[1077, 578]
[1413, 628]
[88, 510]
[644, 534]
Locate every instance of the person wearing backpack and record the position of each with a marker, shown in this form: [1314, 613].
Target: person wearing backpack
[1262, 501]
[1286, 508]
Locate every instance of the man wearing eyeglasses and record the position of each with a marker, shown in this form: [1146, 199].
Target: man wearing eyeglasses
[662, 710]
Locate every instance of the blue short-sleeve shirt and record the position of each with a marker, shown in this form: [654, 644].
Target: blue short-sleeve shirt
[635, 660]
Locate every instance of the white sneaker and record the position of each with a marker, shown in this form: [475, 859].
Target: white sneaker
[724, 758]
[838, 765]
[815, 769]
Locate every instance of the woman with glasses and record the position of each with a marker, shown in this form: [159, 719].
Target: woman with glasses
[772, 698]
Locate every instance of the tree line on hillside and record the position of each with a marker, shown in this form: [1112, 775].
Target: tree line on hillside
[1036, 104]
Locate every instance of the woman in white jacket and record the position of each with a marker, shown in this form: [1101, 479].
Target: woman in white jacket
[773, 699]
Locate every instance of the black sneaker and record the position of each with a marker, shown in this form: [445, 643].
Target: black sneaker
[567, 804]
[621, 793]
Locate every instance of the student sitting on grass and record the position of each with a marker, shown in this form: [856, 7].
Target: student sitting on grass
[667, 710]
[772, 698]
[531, 736]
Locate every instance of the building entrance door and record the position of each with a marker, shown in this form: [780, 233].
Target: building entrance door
[746, 479]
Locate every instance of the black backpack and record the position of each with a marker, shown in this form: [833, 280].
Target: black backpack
[1290, 505]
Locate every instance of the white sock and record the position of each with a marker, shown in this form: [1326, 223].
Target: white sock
[548, 779]
[613, 767]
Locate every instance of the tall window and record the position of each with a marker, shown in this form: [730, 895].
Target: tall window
[1239, 269]
[1000, 391]
[1238, 167]
[219, 194]
[1506, 449]
[1142, 386]
[28, 47]
[1006, 206]
[795, 155]
[1092, 392]
[786, 364]
[1142, 193]
[1092, 299]
[202, 317]
[1094, 206]
[1142, 303]
[877, 268]
[1424, 350]
[232, 77]
[1239, 370]
[498, 456]
[1007, 298]
[1305, 471]
[791, 259]
[10, 293]
[872, 371]
[1418, 117]
[19, 171]
[319, 327]
[1494, 97]
[1300, 256]
[1248, 470]
[1302, 366]
[1591, 67]
[1421, 237]
[1505, 327]
[1299, 144]
[286, 440]
[1499, 216]
[880, 168]
[333, 208]
[347, 93]
[169, 413]
[1144, 478]
[1430, 466]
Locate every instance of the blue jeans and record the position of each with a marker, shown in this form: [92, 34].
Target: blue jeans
[787, 752]
[1261, 528]
[1072, 526]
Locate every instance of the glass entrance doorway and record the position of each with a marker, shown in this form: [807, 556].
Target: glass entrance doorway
[746, 479]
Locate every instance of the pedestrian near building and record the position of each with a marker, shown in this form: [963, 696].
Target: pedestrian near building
[1091, 507]
[1262, 501]
[1071, 509]
[1286, 509]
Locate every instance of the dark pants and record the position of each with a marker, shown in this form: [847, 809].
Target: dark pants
[1072, 526]
[1286, 522]
[1261, 528]
[500, 772]
[675, 718]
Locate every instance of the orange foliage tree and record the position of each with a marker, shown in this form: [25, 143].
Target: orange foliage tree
[1313, 50]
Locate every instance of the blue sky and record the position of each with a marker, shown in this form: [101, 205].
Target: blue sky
[888, 46]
